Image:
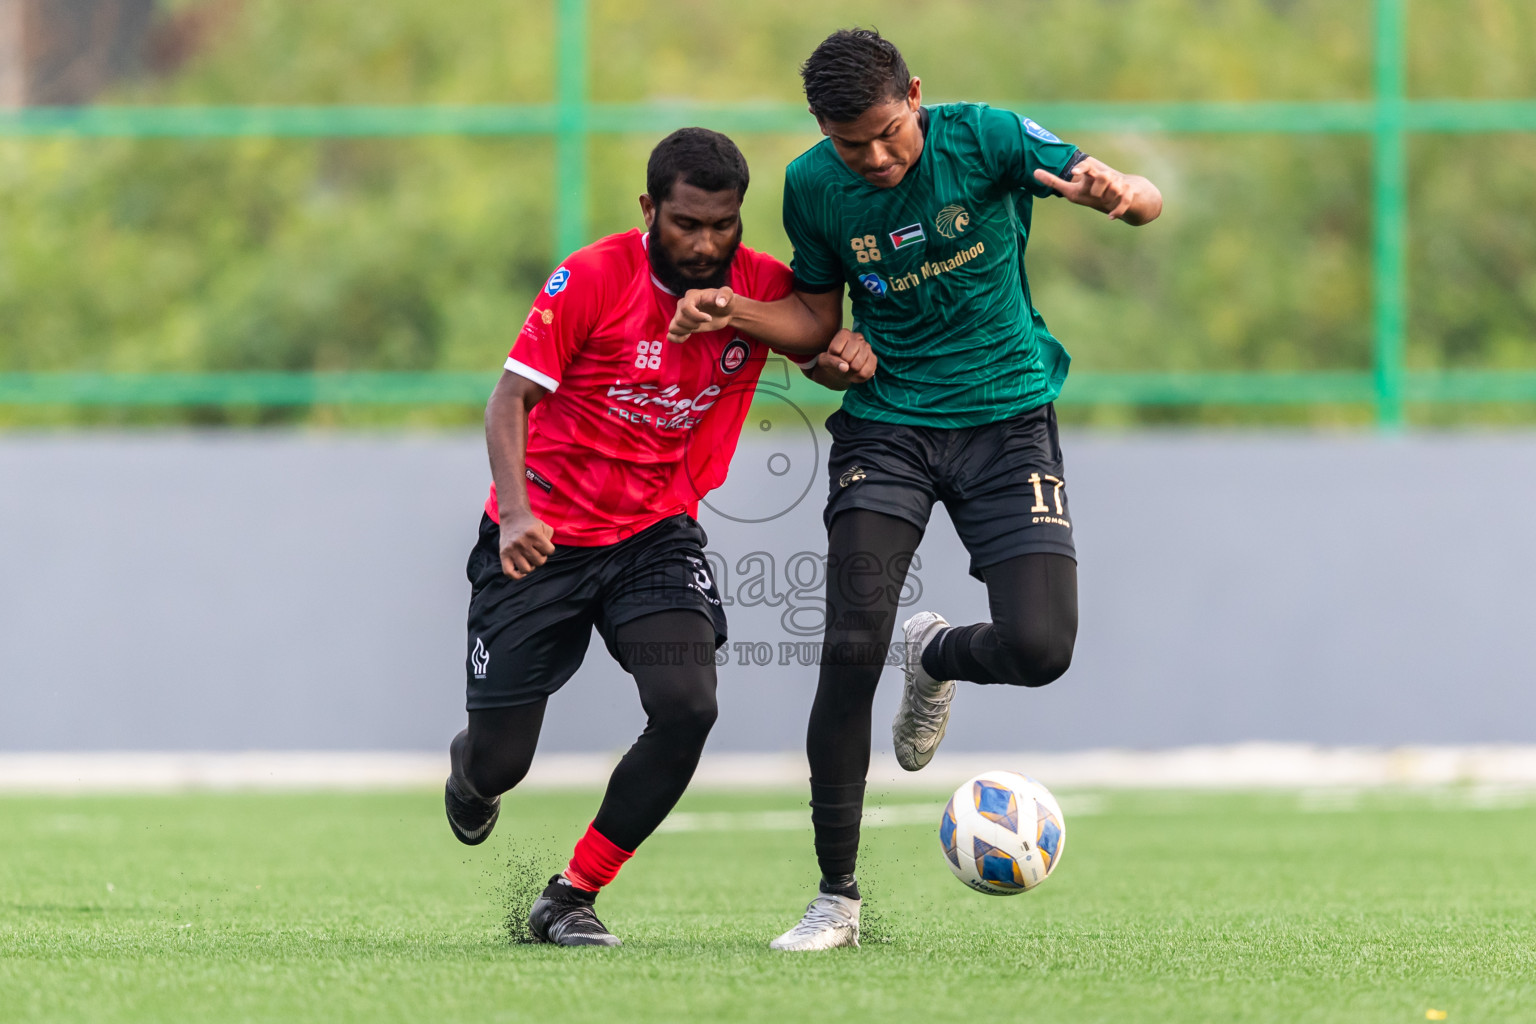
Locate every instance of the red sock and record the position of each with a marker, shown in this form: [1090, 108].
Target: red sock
[596, 861]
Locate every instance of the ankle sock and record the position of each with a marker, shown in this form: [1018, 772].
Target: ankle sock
[841, 885]
[948, 654]
[836, 810]
[595, 861]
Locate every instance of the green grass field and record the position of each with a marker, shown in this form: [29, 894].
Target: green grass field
[1167, 907]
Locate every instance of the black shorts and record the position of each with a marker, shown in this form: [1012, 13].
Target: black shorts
[1002, 482]
[527, 637]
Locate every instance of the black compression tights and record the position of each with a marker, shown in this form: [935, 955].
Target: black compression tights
[1029, 642]
[679, 702]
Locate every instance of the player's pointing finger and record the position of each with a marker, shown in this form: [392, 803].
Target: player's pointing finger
[1045, 177]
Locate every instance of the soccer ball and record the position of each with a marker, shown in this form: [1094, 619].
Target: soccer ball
[1002, 833]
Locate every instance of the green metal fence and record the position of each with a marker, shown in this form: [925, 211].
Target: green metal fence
[1388, 118]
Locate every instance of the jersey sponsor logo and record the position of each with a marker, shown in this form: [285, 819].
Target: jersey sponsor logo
[952, 220]
[557, 282]
[933, 268]
[874, 283]
[648, 355]
[909, 235]
[1040, 133]
[538, 319]
[479, 659]
[866, 249]
[734, 357]
[537, 480]
[637, 403]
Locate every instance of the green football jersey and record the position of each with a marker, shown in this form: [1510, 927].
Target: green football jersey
[936, 267]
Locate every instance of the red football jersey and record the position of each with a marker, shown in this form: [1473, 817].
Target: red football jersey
[635, 428]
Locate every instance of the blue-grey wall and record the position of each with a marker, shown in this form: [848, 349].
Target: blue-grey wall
[294, 591]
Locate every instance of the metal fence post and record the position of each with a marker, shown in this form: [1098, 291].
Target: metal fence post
[1389, 189]
[571, 134]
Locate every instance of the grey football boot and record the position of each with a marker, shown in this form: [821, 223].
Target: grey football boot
[923, 714]
[830, 921]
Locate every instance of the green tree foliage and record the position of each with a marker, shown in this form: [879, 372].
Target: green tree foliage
[421, 254]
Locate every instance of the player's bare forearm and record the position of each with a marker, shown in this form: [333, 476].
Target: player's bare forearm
[1147, 205]
[800, 323]
[506, 437]
[791, 324]
[1098, 186]
[525, 540]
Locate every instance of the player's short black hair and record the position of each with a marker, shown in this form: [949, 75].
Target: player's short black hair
[852, 70]
[699, 157]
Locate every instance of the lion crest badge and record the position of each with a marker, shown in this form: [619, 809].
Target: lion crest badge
[952, 220]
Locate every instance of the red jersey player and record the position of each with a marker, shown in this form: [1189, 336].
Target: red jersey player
[603, 436]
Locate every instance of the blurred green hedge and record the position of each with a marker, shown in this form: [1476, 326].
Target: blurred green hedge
[423, 253]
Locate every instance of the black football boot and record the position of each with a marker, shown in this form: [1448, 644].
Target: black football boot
[470, 815]
[563, 915]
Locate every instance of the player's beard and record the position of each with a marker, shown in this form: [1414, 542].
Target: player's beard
[672, 276]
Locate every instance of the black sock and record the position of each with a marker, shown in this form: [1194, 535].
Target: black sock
[560, 888]
[933, 660]
[842, 885]
[835, 812]
[949, 655]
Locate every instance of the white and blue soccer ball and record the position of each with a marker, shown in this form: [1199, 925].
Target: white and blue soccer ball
[1002, 833]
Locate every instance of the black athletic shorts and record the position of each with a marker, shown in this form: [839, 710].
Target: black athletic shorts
[527, 637]
[1002, 482]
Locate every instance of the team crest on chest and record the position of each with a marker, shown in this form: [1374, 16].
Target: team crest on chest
[734, 356]
[952, 220]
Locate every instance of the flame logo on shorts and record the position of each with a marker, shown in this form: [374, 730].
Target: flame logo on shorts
[952, 220]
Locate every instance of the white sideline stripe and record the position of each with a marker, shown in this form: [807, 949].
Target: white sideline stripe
[1075, 805]
[1241, 766]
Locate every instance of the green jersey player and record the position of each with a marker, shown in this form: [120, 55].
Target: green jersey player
[924, 213]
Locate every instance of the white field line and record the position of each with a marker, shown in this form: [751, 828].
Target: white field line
[1332, 771]
[1074, 806]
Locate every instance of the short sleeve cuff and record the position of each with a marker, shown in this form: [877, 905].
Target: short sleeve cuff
[810, 288]
[543, 380]
[1078, 156]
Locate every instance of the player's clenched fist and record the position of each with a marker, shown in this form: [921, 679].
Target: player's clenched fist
[526, 543]
[702, 309]
[847, 361]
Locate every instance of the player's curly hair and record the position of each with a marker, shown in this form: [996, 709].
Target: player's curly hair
[699, 157]
[852, 70]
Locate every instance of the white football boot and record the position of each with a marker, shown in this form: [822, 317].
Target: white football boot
[923, 714]
[830, 921]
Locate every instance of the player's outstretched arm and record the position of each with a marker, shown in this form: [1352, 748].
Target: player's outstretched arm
[1095, 184]
[801, 323]
[526, 541]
